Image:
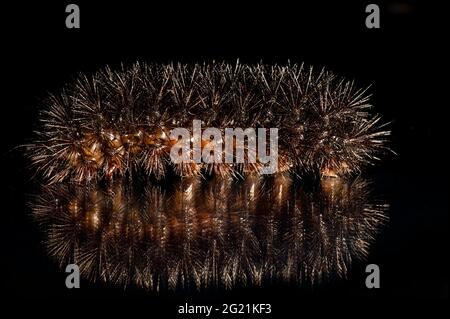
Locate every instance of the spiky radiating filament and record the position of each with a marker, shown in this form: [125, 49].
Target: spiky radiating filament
[220, 232]
[118, 121]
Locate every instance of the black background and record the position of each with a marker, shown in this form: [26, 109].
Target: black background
[402, 61]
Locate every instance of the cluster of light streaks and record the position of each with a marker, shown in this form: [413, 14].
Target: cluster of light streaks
[196, 233]
[118, 121]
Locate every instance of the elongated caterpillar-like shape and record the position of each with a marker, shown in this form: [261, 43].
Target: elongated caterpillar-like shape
[118, 122]
[210, 233]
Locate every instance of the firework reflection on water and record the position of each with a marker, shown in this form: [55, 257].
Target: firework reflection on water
[196, 234]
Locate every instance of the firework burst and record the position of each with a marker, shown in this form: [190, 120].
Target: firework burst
[117, 122]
